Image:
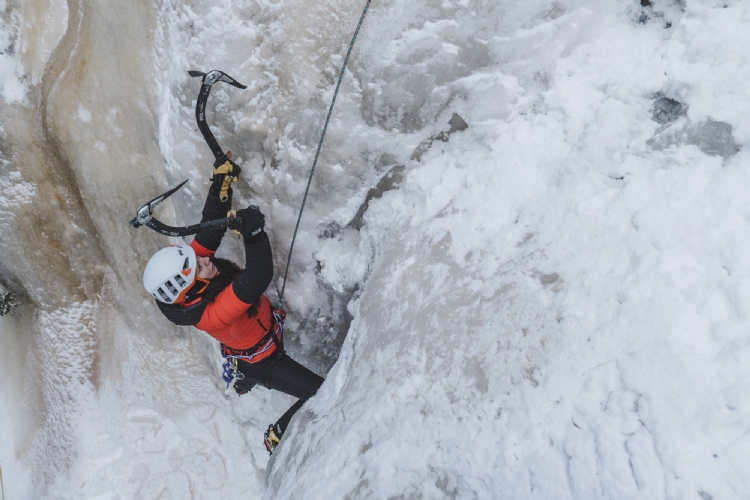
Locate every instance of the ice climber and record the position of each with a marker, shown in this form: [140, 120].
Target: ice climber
[193, 287]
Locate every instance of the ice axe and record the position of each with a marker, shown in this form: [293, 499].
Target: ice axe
[145, 214]
[200, 106]
[145, 217]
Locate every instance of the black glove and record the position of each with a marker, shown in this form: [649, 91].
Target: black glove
[248, 221]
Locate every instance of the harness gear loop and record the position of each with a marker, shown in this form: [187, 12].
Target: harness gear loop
[320, 144]
[231, 372]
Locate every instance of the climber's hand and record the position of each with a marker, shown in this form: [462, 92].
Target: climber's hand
[248, 221]
[225, 165]
[225, 173]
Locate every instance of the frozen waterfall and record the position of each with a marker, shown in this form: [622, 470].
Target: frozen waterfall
[522, 268]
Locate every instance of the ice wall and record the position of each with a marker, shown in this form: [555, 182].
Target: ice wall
[80, 150]
[550, 303]
[556, 306]
[98, 118]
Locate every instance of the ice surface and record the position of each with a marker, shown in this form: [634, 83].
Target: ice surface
[713, 138]
[551, 302]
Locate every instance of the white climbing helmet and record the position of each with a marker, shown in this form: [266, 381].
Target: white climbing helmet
[170, 273]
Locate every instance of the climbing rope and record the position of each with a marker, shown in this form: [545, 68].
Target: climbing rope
[320, 144]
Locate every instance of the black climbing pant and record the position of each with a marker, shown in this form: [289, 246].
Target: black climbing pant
[282, 373]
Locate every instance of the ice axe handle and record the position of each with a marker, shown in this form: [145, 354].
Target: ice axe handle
[231, 219]
[224, 192]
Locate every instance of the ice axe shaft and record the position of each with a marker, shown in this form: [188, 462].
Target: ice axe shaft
[200, 106]
[145, 217]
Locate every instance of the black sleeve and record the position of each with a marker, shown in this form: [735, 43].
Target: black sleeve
[258, 273]
[214, 208]
[182, 316]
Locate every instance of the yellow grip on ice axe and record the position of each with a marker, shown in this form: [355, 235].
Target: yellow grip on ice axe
[225, 169]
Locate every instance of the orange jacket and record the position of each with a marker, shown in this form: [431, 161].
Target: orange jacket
[226, 318]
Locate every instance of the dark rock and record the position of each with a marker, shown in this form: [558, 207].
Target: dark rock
[389, 181]
[714, 138]
[395, 175]
[457, 124]
[667, 110]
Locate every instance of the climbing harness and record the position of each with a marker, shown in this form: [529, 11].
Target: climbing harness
[145, 214]
[274, 336]
[320, 144]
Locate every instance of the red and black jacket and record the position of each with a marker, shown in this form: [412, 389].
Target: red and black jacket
[240, 316]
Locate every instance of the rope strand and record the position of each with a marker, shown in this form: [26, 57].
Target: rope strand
[317, 153]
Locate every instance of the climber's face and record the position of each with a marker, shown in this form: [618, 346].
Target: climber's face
[206, 269]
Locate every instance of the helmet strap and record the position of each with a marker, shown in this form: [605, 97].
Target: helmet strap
[199, 286]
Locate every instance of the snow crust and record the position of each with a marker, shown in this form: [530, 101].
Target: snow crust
[550, 303]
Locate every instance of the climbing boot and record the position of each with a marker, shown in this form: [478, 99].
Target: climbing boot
[270, 439]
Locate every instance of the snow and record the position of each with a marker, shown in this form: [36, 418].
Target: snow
[15, 191]
[551, 303]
